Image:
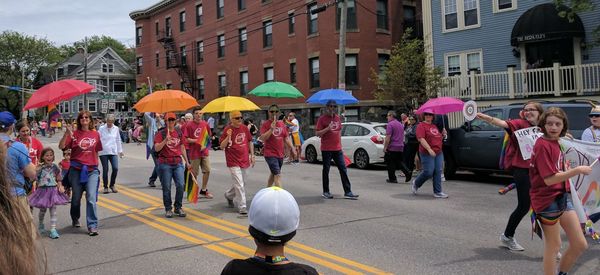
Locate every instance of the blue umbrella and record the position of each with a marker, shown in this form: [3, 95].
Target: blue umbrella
[340, 97]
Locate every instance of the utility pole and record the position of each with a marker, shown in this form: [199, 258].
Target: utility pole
[85, 64]
[342, 47]
[23, 112]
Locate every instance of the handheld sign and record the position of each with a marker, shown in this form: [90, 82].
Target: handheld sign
[470, 110]
[526, 138]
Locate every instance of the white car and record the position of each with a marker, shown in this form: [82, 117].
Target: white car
[361, 142]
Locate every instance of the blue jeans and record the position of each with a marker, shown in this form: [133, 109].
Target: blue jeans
[432, 168]
[168, 172]
[338, 158]
[91, 196]
[155, 170]
[114, 163]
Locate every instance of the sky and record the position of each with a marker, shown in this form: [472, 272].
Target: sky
[67, 21]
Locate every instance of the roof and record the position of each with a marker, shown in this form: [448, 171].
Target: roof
[78, 59]
[145, 13]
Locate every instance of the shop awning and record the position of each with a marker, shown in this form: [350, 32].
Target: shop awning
[542, 23]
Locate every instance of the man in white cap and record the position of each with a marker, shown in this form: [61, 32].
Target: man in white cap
[274, 218]
[592, 134]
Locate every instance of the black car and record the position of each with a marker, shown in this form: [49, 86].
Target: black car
[477, 144]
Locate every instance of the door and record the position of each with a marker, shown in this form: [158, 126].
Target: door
[481, 146]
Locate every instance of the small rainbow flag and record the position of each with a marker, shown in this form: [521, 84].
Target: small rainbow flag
[204, 138]
[191, 187]
[53, 113]
[501, 165]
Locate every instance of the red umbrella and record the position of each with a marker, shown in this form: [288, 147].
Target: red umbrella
[56, 92]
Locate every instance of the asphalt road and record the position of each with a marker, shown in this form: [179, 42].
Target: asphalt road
[388, 230]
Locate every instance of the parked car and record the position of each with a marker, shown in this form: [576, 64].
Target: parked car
[362, 142]
[477, 144]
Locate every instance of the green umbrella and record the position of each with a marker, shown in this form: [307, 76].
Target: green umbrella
[276, 89]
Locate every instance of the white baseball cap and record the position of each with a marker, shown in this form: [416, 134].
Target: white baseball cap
[274, 212]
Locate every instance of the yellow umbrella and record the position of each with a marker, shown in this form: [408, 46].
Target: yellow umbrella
[228, 104]
[166, 101]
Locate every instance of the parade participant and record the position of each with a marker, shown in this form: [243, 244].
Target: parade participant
[294, 129]
[43, 126]
[551, 195]
[431, 155]
[85, 144]
[403, 119]
[211, 123]
[393, 147]
[274, 134]
[411, 144]
[236, 140]
[152, 124]
[513, 160]
[168, 142]
[329, 128]
[35, 127]
[592, 134]
[64, 165]
[49, 191]
[112, 149]
[34, 146]
[274, 218]
[196, 132]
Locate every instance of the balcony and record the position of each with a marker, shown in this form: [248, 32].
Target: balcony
[557, 81]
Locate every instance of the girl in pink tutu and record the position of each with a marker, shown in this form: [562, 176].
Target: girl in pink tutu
[49, 192]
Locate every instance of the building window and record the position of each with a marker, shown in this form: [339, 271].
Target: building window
[313, 19]
[381, 61]
[269, 74]
[138, 36]
[243, 38]
[118, 86]
[92, 106]
[241, 5]
[168, 30]
[199, 14]
[293, 73]
[460, 14]
[220, 9]
[169, 86]
[222, 85]
[314, 72]
[182, 21]
[66, 107]
[221, 46]
[157, 59]
[267, 34]
[183, 55]
[201, 89]
[108, 68]
[463, 62]
[200, 51]
[382, 14]
[80, 105]
[139, 62]
[351, 23]
[453, 65]
[244, 83]
[291, 23]
[156, 29]
[504, 5]
[474, 61]
[351, 69]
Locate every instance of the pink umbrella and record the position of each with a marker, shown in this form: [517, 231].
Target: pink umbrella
[441, 106]
[56, 92]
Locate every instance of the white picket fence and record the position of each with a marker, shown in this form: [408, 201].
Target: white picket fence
[556, 80]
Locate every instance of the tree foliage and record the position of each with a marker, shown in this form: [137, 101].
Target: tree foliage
[97, 43]
[143, 91]
[406, 79]
[575, 7]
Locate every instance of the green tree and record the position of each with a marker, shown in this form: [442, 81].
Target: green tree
[23, 55]
[575, 7]
[97, 43]
[143, 91]
[406, 79]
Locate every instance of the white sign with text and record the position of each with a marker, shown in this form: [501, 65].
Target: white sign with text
[526, 138]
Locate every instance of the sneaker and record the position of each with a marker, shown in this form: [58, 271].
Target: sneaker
[114, 189]
[180, 213]
[391, 181]
[327, 195]
[169, 214]
[206, 194]
[510, 243]
[414, 187]
[443, 178]
[243, 211]
[408, 177]
[41, 228]
[350, 196]
[440, 195]
[92, 231]
[54, 234]
[151, 183]
[229, 202]
[105, 191]
[76, 224]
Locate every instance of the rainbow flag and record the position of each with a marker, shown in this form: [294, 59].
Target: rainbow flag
[53, 113]
[204, 138]
[503, 151]
[191, 187]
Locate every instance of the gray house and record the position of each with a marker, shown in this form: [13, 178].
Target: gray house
[111, 76]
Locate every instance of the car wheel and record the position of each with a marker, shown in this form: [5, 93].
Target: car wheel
[361, 159]
[310, 154]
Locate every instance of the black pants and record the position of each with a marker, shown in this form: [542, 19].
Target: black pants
[521, 177]
[410, 152]
[394, 161]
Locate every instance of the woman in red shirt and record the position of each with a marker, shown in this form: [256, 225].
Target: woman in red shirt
[34, 146]
[550, 193]
[431, 156]
[513, 160]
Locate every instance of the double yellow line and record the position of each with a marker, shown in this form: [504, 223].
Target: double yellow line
[219, 245]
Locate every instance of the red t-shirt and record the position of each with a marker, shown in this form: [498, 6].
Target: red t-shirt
[513, 157]
[432, 135]
[193, 130]
[84, 146]
[546, 160]
[35, 147]
[274, 145]
[237, 152]
[332, 139]
[64, 164]
[171, 152]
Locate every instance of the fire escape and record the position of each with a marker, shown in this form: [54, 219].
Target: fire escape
[178, 61]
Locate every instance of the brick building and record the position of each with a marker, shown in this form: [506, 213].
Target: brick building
[213, 48]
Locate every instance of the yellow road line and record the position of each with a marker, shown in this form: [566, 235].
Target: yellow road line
[152, 200]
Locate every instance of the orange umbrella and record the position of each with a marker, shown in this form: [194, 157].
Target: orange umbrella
[166, 101]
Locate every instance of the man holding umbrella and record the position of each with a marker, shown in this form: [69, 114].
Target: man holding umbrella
[329, 129]
[274, 133]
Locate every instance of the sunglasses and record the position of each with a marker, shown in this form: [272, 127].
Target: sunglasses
[426, 114]
[237, 118]
[86, 117]
[530, 110]
[594, 115]
[171, 119]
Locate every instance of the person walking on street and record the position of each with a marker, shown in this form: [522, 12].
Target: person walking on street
[211, 123]
[329, 129]
[274, 134]
[151, 120]
[294, 129]
[198, 154]
[34, 146]
[432, 158]
[85, 143]
[592, 134]
[112, 150]
[411, 144]
[393, 146]
[513, 160]
[172, 159]
[236, 140]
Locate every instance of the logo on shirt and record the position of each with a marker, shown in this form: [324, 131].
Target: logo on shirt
[335, 125]
[277, 131]
[434, 131]
[240, 138]
[87, 143]
[197, 132]
[173, 142]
